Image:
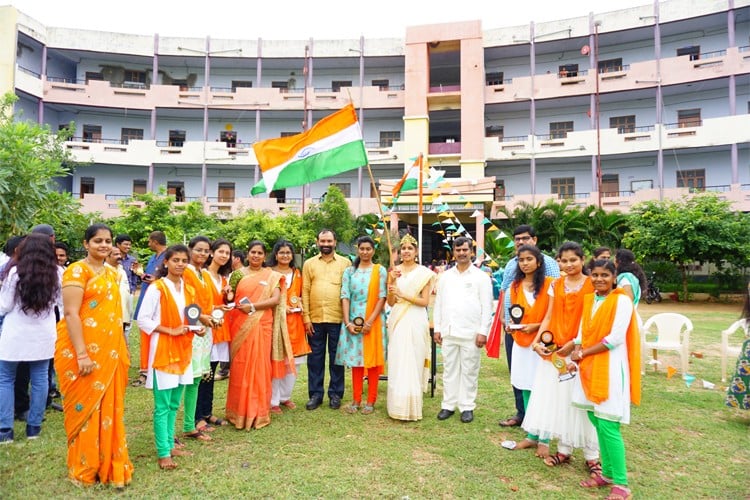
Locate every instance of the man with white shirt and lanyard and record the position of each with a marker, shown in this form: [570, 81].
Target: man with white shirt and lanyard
[461, 320]
[522, 235]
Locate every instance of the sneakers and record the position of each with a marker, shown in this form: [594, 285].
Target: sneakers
[33, 431]
[6, 436]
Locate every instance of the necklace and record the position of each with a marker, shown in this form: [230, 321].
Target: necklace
[97, 268]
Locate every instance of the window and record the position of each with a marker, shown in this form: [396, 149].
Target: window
[388, 137]
[176, 189]
[494, 78]
[382, 84]
[139, 186]
[610, 65]
[87, 186]
[226, 192]
[499, 190]
[567, 70]
[610, 184]
[563, 187]
[283, 86]
[688, 118]
[345, 187]
[91, 75]
[229, 137]
[337, 84]
[131, 134]
[694, 51]
[92, 133]
[135, 76]
[176, 138]
[623, 124]
[559, 130]
[693, 179]
[245, 84]
[494, 131]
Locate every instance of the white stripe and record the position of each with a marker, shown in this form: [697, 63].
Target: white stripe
[333, 141]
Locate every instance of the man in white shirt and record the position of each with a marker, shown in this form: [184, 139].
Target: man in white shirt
[115, 260]
[461, 319]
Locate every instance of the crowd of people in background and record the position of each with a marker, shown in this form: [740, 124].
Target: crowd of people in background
[207, 311]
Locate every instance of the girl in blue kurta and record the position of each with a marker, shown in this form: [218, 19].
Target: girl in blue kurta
[362, 341]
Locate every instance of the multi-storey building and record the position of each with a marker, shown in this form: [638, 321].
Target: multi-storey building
[616, 107]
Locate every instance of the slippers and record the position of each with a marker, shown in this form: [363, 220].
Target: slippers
[289, 404]
[204, 427]
[595, 482]
[220, 422]
[139, 382]
[178, 444]
[513, 421]
[198, 435]
[508, 445]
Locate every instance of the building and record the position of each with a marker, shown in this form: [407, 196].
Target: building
[610, 109]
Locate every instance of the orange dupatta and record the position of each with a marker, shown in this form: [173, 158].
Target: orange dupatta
[202, 293]
[220, 333]
[173, 352]
[372, 343]
[531, 314]
[296, 327]
[594, 369]
[566, 310]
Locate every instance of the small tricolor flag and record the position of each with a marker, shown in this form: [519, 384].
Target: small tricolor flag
[332, 146]
[410, 180]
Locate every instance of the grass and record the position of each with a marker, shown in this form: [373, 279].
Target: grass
[682, 442]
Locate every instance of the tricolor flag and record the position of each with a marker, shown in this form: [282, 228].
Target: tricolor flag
[331, 146]
[410, 180]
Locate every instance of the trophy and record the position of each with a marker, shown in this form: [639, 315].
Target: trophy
[193, 314]
[359, 323]
[217, 315]
[516, 315]
[295, 302]
[548, 339]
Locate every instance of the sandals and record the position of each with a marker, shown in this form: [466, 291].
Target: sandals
[166, 463]
[352, 408]
[368, 409]
[219, 422]
[595, 482]
[513, 421]
[289, 404]
[178, 444]
[276, 410]
[557, 459]
[197, 435]
[203, 426]
[140, 381]
[619, 493]
[594, 467]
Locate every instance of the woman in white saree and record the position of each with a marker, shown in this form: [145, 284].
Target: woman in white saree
[410, 286]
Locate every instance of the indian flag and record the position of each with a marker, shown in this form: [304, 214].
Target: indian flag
[410, 180]
[331, 146]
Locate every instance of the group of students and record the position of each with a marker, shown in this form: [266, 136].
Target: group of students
[575, 356]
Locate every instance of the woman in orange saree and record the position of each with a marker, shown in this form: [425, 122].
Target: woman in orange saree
[91, 359]
[257, 341]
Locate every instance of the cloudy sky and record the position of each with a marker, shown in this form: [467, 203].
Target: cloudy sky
[299, 19]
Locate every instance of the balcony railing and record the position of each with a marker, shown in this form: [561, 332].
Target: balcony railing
[616, 194]
[614, 69]
[572, 74]
[444, 148]
[59, 79]
[129, 85]
[744, 48]
[685, 124]
[721, 188]
[715, 53]
[514, 138]
[99, 140]
[29, 71]
[445, 88]
[549, 137]
[170, 144]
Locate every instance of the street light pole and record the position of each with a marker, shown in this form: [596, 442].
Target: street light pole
[598, 125]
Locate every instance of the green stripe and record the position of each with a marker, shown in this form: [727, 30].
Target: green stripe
[322, 165]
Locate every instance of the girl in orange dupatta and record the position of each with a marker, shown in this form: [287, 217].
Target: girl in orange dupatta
[258, 339]
[362, 346]
[282, 261]
[550, 413]
[608, 352]
[529, 291]
[91, 359]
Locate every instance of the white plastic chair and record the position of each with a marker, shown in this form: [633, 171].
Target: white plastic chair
[742, 325]
[672, 334]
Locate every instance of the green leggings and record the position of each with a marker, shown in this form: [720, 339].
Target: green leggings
[611, 448]
[191, 401]
[166, 404]
[529, 436]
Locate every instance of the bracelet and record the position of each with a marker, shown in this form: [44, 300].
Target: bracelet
[348, 325]
[83, 356]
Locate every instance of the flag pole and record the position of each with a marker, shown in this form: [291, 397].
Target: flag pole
[382, 217]
[419, 209]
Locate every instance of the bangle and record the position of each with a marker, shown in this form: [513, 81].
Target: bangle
[83, 356]
[348, 325]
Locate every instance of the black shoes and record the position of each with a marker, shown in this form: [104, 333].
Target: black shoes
[467, 416]
[314, 402]
[445, 414]
[335, 403]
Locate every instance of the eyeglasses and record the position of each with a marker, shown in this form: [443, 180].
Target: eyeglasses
[521, 238]
[284, 253]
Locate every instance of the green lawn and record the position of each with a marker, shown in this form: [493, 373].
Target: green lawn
[682, 443]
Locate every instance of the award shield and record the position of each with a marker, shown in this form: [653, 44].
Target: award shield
[359, 323]
[193, 314]
[548, 339]
[562, 367]
[516, 316]
[218, 316]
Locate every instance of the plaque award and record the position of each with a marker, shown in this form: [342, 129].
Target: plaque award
[193, 314]
[359, 323]
[562, 367]
[217, 316]
[548, 339]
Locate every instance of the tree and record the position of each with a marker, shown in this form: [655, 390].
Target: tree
[31, 157]
[257, 225]
[702, 228]
[332, 213]
[63, 213]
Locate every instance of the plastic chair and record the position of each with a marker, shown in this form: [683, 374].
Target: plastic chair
[672, 334]
[726, 350]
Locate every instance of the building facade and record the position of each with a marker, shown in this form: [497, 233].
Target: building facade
[610, 109]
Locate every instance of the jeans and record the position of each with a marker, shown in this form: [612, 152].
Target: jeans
[325, 333]
[39, 388]
[517, 393]
[205, 405]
